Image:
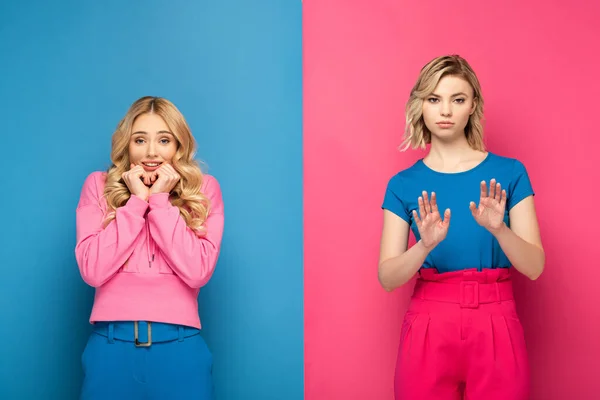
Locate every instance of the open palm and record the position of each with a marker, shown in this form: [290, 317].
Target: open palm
[432, 228]
[492, 205]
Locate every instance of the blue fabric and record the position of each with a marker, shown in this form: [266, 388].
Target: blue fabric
[177, 365]
[467, 244]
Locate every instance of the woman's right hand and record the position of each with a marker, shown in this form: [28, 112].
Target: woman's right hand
[133, 180]
[432, 228]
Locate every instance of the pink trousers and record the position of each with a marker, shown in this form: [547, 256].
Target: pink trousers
[462, 339]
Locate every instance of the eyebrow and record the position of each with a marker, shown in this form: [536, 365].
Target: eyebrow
[454, 95]
[145, 133]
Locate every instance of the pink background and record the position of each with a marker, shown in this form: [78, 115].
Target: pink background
[539, 67]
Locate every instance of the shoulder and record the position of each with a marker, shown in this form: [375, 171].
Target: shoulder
[505, 161]
[406, 175]
[92, 191]
[210, 184]
[95, 182]
[212, 190]
[508, 165]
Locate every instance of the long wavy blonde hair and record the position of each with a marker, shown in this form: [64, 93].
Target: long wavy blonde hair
[416, 134]
[193, 205]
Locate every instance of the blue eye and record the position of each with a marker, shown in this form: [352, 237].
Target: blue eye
[165, 141]
[139, 141]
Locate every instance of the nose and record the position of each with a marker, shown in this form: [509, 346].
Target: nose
[446, 109]
[151, 150]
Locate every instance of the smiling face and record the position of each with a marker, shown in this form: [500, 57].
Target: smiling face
[447, 110]
[152, 143]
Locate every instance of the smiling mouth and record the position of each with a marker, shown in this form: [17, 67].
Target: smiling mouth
[154, 164]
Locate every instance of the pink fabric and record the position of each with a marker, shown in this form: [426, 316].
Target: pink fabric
[457, 346]
[146, 264]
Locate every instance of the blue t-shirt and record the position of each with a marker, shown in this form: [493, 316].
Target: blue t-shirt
[467, 244]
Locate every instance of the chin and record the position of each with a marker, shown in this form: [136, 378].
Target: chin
[445, 134]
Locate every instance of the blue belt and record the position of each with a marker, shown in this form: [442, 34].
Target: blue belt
[143, 333]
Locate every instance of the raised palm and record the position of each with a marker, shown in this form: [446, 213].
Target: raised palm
[492, 205]
[432, 228]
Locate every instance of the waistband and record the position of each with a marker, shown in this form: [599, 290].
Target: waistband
[468, 288]
[143, 333]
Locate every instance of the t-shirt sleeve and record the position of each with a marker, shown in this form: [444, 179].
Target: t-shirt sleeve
[393, 201]
[520, 185]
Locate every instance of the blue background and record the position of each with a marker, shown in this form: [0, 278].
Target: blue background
[68, 72]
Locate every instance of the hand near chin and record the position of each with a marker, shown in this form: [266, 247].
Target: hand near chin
[166, 179]
[149, 178]
[134, 181]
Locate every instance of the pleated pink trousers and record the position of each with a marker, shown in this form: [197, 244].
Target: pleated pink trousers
[462, 339]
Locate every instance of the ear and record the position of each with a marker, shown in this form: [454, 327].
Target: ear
[474, 106]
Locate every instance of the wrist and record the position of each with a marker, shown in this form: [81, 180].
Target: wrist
[425, 248]
[159, 200]
[141, 197]
[498, 231]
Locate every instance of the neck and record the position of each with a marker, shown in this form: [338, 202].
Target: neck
[450, 152]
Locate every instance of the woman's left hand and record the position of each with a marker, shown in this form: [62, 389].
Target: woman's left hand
[492, 205]
[167, 179]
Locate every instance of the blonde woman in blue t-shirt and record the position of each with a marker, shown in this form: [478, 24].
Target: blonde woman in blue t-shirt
[473, 215]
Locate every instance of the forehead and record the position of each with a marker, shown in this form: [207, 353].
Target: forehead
[451, 84]
[149, 123]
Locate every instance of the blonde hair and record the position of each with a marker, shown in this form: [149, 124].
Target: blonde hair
[416, 134]
[193, 205]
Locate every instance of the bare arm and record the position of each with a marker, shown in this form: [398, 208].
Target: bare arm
[521, 242]
[397, 265]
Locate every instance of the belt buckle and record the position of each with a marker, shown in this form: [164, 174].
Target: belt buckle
[471, 289]
[135, 335]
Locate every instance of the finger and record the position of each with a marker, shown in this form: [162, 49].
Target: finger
[447, 215]
[138, 171]
[473, 207]
[483, 192]
[498, 192]
[416, 218]
[503, 199]
[492, 188]
[426, 203]
[148, 176]
[434, 205]
[171, 173]
[168, 167]
[421, 207]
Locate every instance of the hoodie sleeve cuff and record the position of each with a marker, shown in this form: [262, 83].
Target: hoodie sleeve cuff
[159, 200]
[136, 205]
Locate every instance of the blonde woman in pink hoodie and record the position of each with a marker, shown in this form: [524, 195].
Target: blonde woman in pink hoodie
[148, 237]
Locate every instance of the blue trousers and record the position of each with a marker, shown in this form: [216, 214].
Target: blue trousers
[167, 362]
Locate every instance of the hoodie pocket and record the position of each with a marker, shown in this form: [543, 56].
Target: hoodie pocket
[129, 266]
[163, 265]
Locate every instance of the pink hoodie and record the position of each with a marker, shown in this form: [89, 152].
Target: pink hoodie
[147, 264]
